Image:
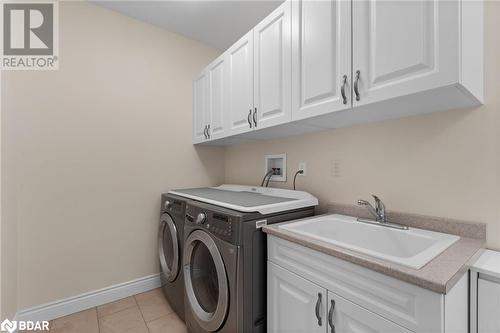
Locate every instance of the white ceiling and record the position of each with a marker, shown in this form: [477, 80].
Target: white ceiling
[216, 23]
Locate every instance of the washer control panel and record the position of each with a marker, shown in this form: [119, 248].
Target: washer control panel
[223, 226]
[201, 218]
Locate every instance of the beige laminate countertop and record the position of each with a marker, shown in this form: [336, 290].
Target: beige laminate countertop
[439, 275]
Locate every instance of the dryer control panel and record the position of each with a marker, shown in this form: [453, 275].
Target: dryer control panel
[172, 204]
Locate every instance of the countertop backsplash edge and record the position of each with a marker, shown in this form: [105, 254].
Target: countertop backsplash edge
[440, 224]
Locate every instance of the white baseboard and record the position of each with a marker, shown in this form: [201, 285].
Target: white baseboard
[88, 300]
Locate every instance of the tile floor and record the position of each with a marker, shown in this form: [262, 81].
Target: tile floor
[148, 312]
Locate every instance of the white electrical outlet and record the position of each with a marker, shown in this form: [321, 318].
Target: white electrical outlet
[303, 167]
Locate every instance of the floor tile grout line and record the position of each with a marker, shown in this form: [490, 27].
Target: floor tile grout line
[169, 312]
[142, 315]
[166, 315]
[98, 322]
[136, 304]
[110, 314]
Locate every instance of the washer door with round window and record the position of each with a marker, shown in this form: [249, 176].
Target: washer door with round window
[168, 247]
[206, 281]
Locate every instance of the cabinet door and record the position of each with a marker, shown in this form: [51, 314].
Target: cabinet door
[218, 111]
[321, 57]
[272, 68]
[488, 305]
[403, 47]
[200, 107]
[294, 304]
[347, 317]
[240, 84]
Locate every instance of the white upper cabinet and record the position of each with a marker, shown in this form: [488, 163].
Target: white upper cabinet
[272, 68]
[210, 102]
[240, 85]
[201, 117]
[312, 65]
[218, 98]
[403, 47]
[321, 57]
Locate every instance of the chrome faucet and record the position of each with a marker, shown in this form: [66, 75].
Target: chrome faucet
[378, 211]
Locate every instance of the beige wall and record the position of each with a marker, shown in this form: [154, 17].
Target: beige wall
[444, 164]
[86, 150]
[95, 143]
[8, 226]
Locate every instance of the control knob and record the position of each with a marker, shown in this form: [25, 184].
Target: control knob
[201, 218]
[168, 204]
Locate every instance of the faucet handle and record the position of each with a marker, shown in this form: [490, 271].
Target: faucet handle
[378, 203]
[379, 207]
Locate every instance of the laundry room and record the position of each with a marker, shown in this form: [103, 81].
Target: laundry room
[250, 166]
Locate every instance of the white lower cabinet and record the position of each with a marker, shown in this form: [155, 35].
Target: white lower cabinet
[294, 303]
[309, 291]
[298, 305]
[349, 317]
[488, 307]
[485, 293]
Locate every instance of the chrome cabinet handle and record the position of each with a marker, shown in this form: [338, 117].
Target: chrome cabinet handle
[330, 316]
[255, 117]
[342, 89]
[208, 131]
[356, 83]
[318, 304]
[248, 118]
[205, 132]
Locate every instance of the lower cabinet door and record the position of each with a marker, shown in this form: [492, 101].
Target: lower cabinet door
[347, 317]
[488, 305]
[294, 304]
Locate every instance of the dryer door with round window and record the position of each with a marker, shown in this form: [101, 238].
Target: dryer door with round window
[168, 247]
[205, 280]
